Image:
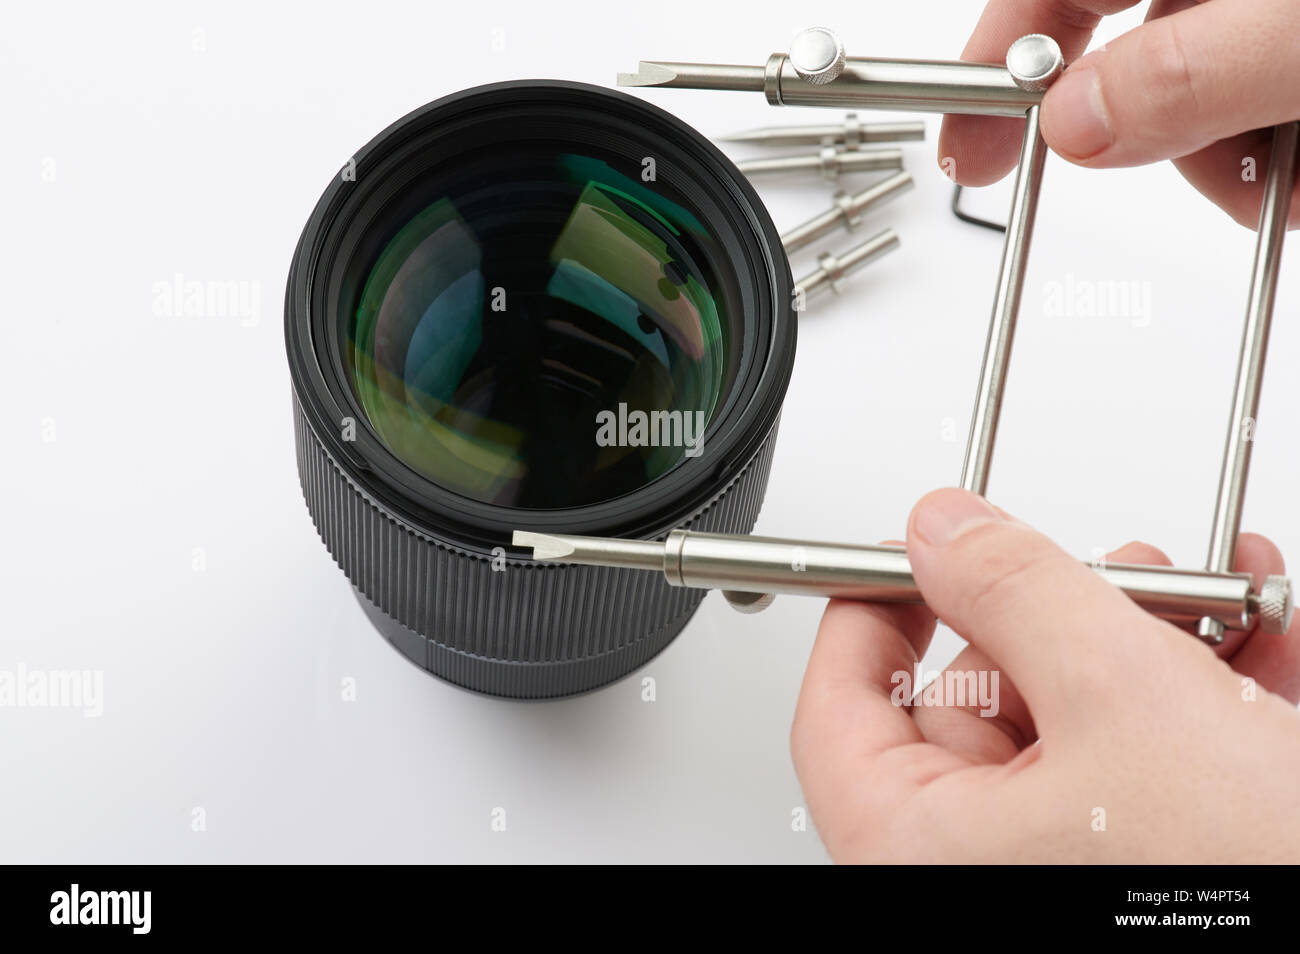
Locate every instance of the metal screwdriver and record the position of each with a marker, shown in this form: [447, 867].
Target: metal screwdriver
[749, 570]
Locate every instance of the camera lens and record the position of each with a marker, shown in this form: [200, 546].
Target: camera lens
[606, 297]
[536, 305]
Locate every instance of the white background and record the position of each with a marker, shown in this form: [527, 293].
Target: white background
[194, 139]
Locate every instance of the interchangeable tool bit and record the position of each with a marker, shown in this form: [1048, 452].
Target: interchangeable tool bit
[830, 162]
[833, 269]
[749, 569]
[847, 212]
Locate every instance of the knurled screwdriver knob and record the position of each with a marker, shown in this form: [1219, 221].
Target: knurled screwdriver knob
[1276, 605]
[1034, 62]
[817, 55]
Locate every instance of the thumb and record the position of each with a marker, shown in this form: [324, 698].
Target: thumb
[1178, 83]
[1066, 637]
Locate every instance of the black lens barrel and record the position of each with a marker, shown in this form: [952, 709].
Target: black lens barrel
[435, 570]
[523, 630]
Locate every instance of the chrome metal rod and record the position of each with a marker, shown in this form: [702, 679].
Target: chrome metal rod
[1006, 307]
[848, 134]
[847, 211]
[1276, 206]
[744, 564]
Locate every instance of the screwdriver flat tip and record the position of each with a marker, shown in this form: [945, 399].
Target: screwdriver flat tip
[593, 551]
[648, 74]
[544, 546]
[695, 76]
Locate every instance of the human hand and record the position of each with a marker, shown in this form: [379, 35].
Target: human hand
[1123, 738]
[1198, 83]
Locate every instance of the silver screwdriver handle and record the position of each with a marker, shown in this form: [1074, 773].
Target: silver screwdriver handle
[749, 569]
[747, 564]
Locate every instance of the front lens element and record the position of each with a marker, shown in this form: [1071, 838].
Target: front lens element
[544, 332]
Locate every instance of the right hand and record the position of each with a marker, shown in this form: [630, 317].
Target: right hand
[1198, 83]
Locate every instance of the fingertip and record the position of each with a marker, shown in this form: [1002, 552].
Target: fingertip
[846, 625]
[1258, 556]
[1076, 121]
[1136, 551]
[978, 151]
[941, 516]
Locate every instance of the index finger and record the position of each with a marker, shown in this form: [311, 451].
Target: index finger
[979, 150]
[852, 713]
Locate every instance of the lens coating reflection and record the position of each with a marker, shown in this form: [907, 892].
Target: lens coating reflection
[527, 298]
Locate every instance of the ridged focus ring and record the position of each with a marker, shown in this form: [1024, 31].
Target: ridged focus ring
[548, 630]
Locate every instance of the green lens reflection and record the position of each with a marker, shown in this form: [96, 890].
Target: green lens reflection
[528, 298]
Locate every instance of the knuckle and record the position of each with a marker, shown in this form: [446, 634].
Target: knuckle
[1170, 71]
[1097, 674]
[1006, 573]
[1075, 15]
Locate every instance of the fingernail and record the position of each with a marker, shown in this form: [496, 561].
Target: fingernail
[1076, 111]
[946, 515]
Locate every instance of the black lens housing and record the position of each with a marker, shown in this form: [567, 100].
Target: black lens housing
[451, 592]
